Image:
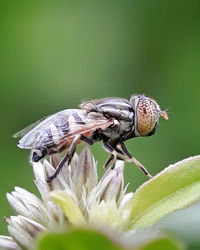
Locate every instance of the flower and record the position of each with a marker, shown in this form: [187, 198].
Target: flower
[74, 198]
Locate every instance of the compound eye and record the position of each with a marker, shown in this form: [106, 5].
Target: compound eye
[147, 117]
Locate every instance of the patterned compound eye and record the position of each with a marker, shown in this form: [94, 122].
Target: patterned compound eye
[147, 116]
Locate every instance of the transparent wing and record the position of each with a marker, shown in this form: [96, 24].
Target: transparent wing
[25, 130]
[62, 126]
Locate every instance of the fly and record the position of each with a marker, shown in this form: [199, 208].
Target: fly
[110, 120]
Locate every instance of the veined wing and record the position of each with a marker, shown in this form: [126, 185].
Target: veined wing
[62, 126]
[25, 130]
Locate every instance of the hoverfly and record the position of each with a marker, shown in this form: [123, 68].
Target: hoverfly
[110, 120]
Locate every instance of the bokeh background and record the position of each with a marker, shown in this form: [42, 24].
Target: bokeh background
[54, 54]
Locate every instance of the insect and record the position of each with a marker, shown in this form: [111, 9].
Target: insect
[110, 120]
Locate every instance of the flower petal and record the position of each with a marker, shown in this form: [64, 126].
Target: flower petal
[7, 243]
[21, 236]
[108, 215]
[110, 186]
[31, 226]
[85, 174]
[70, 208]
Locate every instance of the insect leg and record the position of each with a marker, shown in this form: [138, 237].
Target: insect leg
[38, 154]
[113, 157]
[67, 158]
[110, 159]
[86, 139]
[110, 148]
[132, 159]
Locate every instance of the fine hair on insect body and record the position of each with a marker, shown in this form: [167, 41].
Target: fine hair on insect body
[110, 120]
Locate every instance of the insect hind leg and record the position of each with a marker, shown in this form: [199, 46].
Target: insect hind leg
[38, 154]
[66, 159]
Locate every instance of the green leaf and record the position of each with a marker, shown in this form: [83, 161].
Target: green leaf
[88, 239]
[164, 244]
[79, 239]
[176, 187]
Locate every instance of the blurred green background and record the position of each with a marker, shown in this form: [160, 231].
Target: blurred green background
[56, 53]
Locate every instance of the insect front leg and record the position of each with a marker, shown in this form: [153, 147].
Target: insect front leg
[114, 154]
[67, 158]
[132, 159]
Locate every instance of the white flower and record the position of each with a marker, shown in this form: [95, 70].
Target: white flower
[75, 197]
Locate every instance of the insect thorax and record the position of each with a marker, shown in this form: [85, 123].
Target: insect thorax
[120, 130]
[118, 109]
